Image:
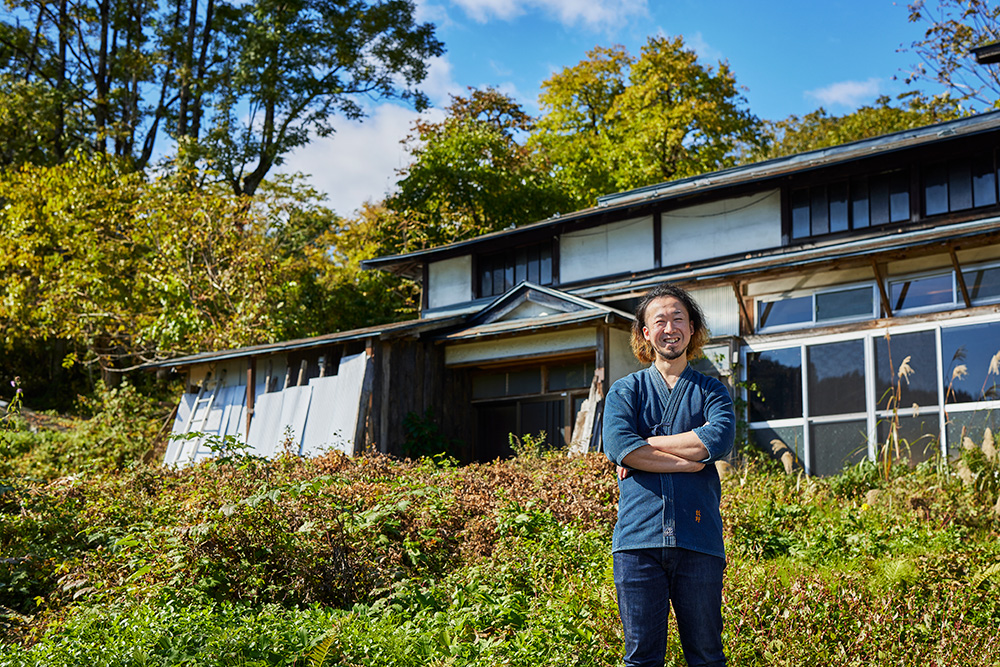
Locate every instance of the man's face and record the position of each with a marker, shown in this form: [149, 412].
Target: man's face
[667, 327]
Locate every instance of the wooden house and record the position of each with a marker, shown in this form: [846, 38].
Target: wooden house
[853, 295]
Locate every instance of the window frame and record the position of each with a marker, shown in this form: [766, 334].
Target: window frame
[873, 414]
[820, 191]
[510, 257]
[759, 302]
[917, 310]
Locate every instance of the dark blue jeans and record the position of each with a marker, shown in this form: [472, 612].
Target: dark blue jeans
[648, 582]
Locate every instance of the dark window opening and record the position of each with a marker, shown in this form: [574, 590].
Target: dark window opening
[960, 184]
[499, 272]
[862, 202]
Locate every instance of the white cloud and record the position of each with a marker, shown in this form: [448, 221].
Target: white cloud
[851, 94]
[707, 54]
[599, 15]
[359, 162]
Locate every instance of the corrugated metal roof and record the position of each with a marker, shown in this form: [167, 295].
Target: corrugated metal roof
[746, 174]
[381, 331]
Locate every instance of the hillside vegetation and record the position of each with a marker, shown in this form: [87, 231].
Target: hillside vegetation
[375, 561]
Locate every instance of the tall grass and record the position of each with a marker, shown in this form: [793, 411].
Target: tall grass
[374, 561]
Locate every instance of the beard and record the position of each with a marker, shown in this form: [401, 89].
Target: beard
[668, 355]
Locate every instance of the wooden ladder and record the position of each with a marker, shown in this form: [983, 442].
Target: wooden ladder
[207, 394]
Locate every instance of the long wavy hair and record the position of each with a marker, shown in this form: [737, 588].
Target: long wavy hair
[641, 347]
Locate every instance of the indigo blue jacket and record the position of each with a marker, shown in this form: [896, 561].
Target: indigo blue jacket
[669, 509]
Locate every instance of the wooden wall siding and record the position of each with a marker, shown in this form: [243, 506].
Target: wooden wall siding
[411, 376]
[720, 228]
[722, 310]
[617, 248]
[448, 282]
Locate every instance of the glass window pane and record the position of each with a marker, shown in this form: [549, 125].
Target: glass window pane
[836, 377]
[859, 203]
[936, 190]
[844, 303]
[498, 277]
[983, 284]
[984, 187]
[777, 375]
[533, 265]
[922, 292]
[879, 200]
[971, 350]
[890, 355]
[790, 435]
[527, 381]
[489, 385]
[570, 376]
[918, 437]
[971, 424]
[838, 207]
[797, 310]
[819, 212]
[486, 280]
[508, 276]
[545, 266]
[800, 213]
[837, 446]
[521, 266]
[899, 196]
[960, 186]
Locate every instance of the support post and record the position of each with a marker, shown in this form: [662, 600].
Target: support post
[959, 278]
[251, 392]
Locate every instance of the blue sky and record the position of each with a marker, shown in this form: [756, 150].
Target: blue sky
[791, 57]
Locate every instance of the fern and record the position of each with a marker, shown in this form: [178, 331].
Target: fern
[317, 657]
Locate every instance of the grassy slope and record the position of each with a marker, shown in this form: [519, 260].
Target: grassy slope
[373, 561]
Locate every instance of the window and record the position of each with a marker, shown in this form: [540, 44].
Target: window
[512, 383]
[862, 202]
[528, 400]
[960, 184]
[857, 400]
[906, 366]
[983, 284]
[970, 356]
[499, 272]
[778, 378]
[834, 305]
[836, 378]
[925, 292]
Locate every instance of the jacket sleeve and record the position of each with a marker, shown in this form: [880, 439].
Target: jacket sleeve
[620, 431]
[719, 431]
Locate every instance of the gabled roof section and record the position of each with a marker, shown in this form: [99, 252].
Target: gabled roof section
[530, 308]
[761, 172]
[528, 300]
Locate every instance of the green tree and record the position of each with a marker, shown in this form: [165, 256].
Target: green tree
[677, 118]
[108, 269]
[470, 175]
[573, 130]
[297, 64]
[819, 129]
[952, 29]
[615, 122]
[236, 85]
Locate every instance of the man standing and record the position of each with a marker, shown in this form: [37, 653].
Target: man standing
[664, 426]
